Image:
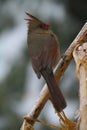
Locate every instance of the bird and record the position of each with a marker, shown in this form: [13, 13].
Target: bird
[44, 51]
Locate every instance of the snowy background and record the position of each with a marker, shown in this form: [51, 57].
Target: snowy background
[19, 86]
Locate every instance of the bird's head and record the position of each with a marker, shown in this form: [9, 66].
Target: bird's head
[35, 23]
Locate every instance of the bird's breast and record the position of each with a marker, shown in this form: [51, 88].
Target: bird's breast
[37, 42]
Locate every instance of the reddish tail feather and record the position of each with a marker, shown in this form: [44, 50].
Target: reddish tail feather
[55, 92]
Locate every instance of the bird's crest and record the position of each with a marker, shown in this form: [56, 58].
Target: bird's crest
[33, 22]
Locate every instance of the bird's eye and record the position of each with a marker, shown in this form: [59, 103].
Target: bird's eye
[41, 25]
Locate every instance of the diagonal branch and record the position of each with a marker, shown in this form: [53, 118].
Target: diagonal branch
[59, 71]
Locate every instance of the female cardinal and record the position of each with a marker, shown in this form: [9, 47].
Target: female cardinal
[44, 50]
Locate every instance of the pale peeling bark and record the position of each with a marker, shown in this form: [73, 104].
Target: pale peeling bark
[59, 71]
[80, 56]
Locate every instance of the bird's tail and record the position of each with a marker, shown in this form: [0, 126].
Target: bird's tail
[57, 97]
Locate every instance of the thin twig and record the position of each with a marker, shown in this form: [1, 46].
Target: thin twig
[59, 71]
[27, 118]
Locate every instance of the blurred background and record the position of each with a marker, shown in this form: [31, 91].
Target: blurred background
[19, 86]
